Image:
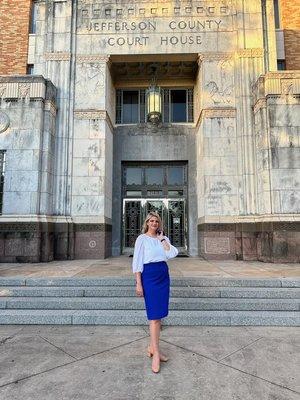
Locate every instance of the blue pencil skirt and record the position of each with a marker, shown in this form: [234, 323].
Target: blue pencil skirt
[156, 287]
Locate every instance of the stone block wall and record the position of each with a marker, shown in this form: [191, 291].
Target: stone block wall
[277, 127]
[14, 22]
[277, 132]
[27, 113]
[290, 21]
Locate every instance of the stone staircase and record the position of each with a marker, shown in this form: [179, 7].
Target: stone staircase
[112, 301]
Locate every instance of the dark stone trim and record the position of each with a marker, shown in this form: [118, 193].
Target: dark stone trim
[251, 227]
[92, 227]
[217, 227]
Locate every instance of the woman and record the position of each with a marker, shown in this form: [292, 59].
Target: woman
[151, 251]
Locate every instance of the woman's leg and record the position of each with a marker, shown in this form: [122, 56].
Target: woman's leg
[154, 326]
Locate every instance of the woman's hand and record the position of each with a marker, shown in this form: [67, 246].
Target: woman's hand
[163, 241]
[160, 235]
[139, 290]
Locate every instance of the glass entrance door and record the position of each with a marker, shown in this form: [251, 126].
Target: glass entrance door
[172, 212]
[155, 186]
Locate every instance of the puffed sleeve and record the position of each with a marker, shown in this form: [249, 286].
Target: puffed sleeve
[172, 252]
[138, 255]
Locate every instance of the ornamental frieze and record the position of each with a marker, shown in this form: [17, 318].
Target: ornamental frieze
[57, 56]
[250, 53]
[91, 58]
[219, 113]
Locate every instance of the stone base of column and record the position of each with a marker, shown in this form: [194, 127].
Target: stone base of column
[92, 241]
[268, 242]
[26, 242]
[43, 242]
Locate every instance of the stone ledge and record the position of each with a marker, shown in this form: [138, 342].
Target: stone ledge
[27, 86]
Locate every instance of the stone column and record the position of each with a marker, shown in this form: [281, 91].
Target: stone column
[217, 156]
[249, 67]
[92, 162]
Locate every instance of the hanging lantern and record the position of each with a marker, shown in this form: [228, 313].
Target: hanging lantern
[153, 100]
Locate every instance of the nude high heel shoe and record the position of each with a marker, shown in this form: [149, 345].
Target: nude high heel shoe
[155, 365]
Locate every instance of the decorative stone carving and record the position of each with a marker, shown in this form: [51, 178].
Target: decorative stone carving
[24, 89]
[217, 245]
[94, 114]
[214, 57]
[91, 72]
[81, 58]
[4, 122]
[250, 53]
[90, 114]
[58, 56]
[50, 106]
[217, 94]
[276, 84]
[217, 113]
[283, 74]
[261, 103]
[2, 89]
[287, 86]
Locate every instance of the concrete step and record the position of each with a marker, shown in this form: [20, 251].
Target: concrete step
[185, 282]
[134, 303]
[128, 291]
[137, 317]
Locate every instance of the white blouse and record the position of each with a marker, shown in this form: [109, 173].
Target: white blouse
[148, 249]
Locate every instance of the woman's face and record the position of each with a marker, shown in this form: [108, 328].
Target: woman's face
[153, 224]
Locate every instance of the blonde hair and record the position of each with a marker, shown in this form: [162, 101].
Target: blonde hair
[149, 216]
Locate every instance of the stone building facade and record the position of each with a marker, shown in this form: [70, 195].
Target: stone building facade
[81, 165]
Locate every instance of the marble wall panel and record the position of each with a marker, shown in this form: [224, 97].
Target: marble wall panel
[222, 147]
[19, 160]
[81, 129]
[222, 185]
[96, 167]
[90, 85]
[285, 179]
[83, 186]
[88, 148]
[282, 115]
[60, 41]
[96, 129]
[230, 204]
[24, 181]
[27, 139]
[290, 201]
[212, 165]
[288, 157]
[286, 136]
[213, 205]
[228, 165]
[16, 203]
[87, 205]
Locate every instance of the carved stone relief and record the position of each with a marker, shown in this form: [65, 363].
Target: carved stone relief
[90, 83]
[2, 90]
[4, 122]
[287, 86]
[24, 89]
[219, 86]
